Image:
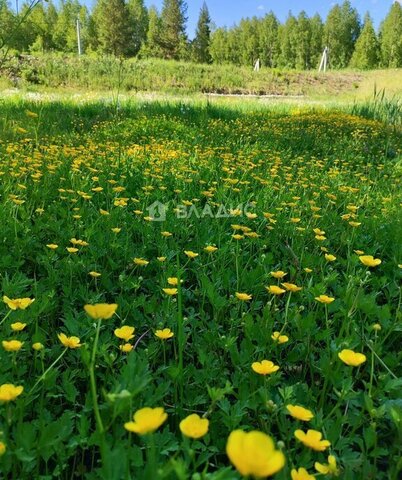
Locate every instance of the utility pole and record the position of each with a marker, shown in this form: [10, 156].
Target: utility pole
[79, 38]
[324, 60]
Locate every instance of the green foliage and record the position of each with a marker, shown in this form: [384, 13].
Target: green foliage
[366, 54]
[65, 28]
[62, 163]
[341, 31]
[173, 30]
[139, 24]
[202, 40]
[391, 37]
[152, 46]
[127, 28]
[113, 27]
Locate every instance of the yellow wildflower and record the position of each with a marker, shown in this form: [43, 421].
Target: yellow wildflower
[254, 454]
[101, 311]
[146, 420]
[194, 426]
[266, 367]
[312, 439]
[352, 358]
[300, 413]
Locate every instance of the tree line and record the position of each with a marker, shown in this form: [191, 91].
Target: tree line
[127, 28]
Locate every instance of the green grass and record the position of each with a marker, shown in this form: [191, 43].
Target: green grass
[297, 169]
[70, 74]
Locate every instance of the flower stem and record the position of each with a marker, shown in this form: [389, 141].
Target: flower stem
[5, 317]
[180, 335]
[42, 377]
[94, 394]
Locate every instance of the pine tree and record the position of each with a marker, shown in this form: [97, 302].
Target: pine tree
[341, 31]
[139, 24]
[113, 27]
[173, 30]
[202, 41]
[366, 52]
[391, 37]
[152, 46]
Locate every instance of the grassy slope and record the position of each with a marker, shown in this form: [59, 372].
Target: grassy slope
[71, 76]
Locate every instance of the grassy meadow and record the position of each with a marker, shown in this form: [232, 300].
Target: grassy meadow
[58, 73]
[247, 324]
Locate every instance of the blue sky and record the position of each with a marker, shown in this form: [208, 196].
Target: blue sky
[228, 12]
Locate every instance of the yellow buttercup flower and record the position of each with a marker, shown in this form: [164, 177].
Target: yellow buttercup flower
[210, 249]
[352, 358]
[69, 342]
[279, 274]
[18, 326]
[277, 337]
[170, 291]
[3, 449]
[146, 420]
[275, 290]
[324, 299]
[141, 262]
[126, 348]
[94, 274]
[266, 367]
[101, 311]
[194, 426]
[12, 345]
[18, 303]
[166, 234]
[52, 246]
[173, 281]
[243, 296]
[164, 334]
[329, 257]
[312, 439]
[72, 249]
[291, 287]
[301, 474]
[307, 270]
[38, 346]
[190, 254]
[300, 413]
[126, 333]
[328, 469]
[369, 261]
[254, 453]
[9, 392]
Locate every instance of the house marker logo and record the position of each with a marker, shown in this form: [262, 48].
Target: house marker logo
[157, 211]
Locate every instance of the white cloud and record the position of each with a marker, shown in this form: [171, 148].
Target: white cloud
[261, 7]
